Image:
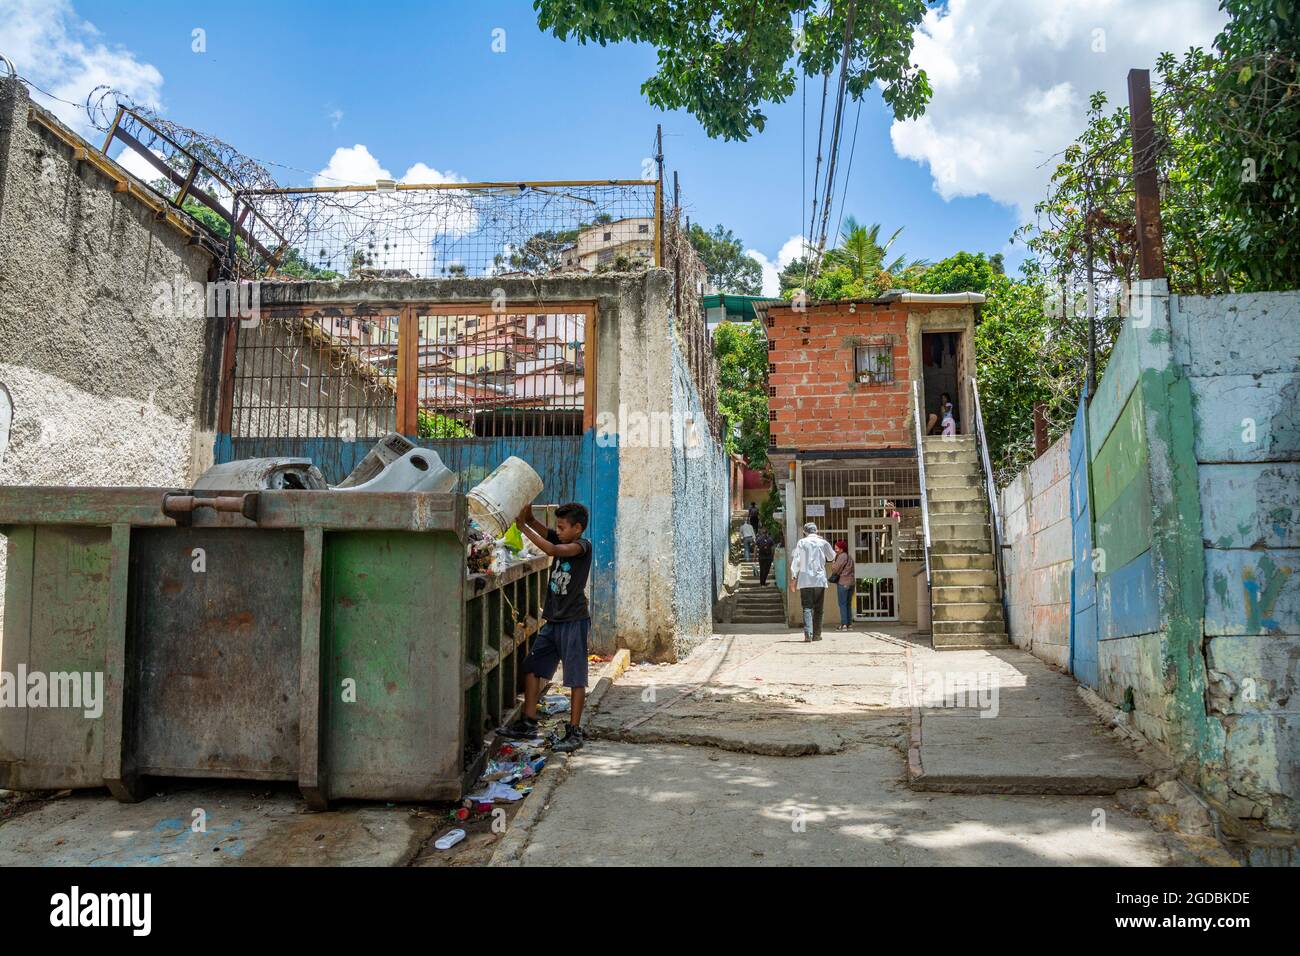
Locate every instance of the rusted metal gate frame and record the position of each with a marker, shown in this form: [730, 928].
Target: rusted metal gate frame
[408, 373]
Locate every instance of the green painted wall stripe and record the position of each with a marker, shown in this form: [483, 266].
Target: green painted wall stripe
[1122, 458]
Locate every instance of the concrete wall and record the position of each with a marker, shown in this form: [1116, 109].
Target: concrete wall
[701, 515]
[111, 383]
[1035, 509]
[1193, 472]
[658, 509]
[1241, 355]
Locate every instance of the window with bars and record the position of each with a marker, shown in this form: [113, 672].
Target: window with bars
[874, 364]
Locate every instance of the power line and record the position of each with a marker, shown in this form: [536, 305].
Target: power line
[848, 172]
[837, 129]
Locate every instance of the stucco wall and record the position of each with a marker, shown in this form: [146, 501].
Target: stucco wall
[1035, 509]
[701, 515]
[108, 383]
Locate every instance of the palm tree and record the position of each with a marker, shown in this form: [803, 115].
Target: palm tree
[861, 252]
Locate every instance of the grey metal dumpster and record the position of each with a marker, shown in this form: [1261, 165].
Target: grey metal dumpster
[327, 638]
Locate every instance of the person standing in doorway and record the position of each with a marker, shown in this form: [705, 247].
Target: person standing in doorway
[752, 514]
[747, 539]
[766, 546]
[808, 572]
[841, 573]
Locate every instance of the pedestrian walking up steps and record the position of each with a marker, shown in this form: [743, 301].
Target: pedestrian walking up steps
[966, 609]
[756, 603]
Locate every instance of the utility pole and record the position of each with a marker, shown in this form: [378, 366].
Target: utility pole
[1092, 292]
[659, 190]
[1146, 185]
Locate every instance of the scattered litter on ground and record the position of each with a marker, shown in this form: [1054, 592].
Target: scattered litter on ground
[449, 839]
[553, 704]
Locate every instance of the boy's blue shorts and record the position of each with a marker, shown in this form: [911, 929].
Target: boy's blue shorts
[561, 641]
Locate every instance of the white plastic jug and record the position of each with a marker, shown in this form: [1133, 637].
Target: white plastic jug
[496, 500]
[418, 470]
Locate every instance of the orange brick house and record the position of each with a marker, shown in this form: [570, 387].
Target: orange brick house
[843, 433]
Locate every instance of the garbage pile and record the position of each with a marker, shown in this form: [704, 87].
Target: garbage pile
[495, 541]
[511, 773]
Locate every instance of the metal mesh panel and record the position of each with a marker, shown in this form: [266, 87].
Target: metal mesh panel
[453, 229]
[328, 374]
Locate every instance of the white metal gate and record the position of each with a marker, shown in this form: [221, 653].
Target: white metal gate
[874, 545]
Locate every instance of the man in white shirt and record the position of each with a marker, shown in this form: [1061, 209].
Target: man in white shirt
[808, 572]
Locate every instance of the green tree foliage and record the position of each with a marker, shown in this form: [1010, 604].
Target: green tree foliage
[721, 60]
[1228, 166]
[859, 267]
[436, 425]
[963, 272]
[792, 277]
[728, 268]
[741, 351]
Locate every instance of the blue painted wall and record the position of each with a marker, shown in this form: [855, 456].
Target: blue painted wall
[1083, 583]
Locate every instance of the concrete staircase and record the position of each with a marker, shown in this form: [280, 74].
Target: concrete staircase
[963, 581]
[756, 604]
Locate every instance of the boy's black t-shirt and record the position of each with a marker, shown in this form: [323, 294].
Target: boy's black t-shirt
[566, 596]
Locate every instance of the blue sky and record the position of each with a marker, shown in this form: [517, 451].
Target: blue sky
[420, 83]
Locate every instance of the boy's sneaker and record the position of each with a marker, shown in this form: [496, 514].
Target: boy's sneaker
[571, 741]
[521, 729]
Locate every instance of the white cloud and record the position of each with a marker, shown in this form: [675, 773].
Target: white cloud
[1012, 79]
[400, 230]
[792, 249]
[58, 51]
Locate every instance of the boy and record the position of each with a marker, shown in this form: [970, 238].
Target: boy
[568, 621]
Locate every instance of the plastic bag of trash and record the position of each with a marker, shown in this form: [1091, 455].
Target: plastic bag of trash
[553, 704]
[514, 539]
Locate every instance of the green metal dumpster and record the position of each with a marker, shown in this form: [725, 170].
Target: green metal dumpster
[328, 638]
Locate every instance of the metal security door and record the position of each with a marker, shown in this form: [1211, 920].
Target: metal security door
[874, 545]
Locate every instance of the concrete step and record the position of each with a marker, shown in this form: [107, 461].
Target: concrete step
[951, 528]
[947, 441]
[964, 594]
[954, 457]
[759, 605]
[960, 561]
[948, 469]
[739, 618]
[969, 641]
[969, 611]
[963, 578]
[938, 495]
[966, 480]
[943, 510]
[968, 627]
[960, 546]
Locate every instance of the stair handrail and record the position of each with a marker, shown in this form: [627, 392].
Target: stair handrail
[990, 487]
[920, 469]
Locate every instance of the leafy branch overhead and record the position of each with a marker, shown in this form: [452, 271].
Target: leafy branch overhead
[722, 60]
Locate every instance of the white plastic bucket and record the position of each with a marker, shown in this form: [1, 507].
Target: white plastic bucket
[496, 500]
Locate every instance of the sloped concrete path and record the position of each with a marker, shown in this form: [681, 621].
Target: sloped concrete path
[1002, 721]
[762, 750]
